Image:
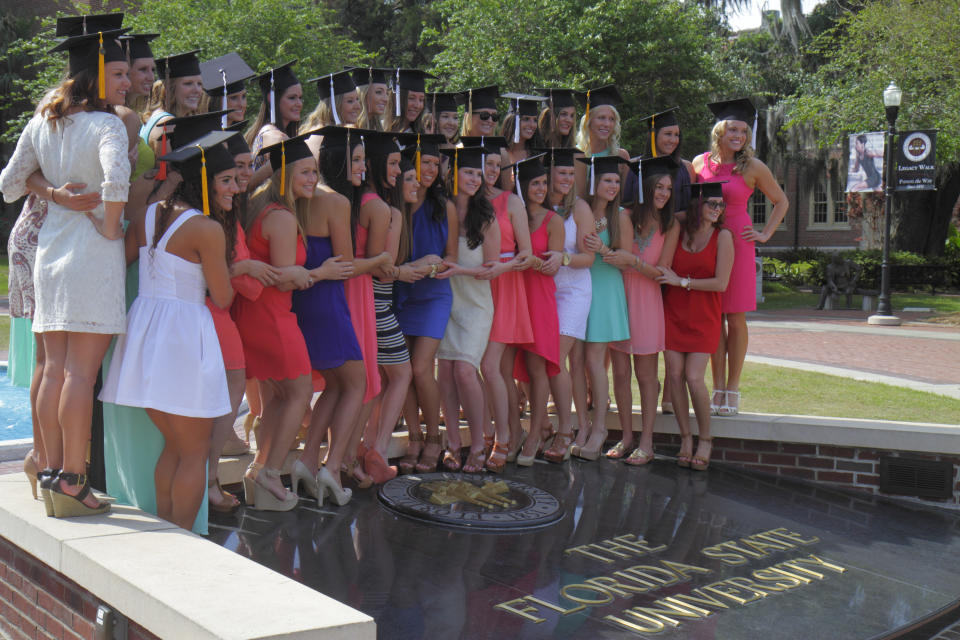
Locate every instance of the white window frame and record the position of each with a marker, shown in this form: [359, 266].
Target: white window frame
[823, 180]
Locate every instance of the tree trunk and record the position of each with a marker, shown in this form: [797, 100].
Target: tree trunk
[922, 218]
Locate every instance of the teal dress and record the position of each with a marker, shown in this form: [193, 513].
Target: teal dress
[608, 320]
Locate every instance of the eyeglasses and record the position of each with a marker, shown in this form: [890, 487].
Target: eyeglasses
[716, 205]
[486, 115]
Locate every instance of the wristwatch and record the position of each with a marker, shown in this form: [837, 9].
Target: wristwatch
[685, 283]
[566, 259]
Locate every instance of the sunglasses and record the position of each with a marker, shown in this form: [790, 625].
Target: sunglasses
[715, 205]
[486, 115]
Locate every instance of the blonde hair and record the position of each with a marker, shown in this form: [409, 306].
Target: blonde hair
[322, 116]
[741, 158]
[269, 192]
[583, 133]
[565, 208]
[366, 121]
[162, 98]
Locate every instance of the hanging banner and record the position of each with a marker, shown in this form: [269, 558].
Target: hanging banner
[916, 161]
[865, 163]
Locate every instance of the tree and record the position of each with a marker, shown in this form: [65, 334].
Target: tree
[913, 43]
[389, 29]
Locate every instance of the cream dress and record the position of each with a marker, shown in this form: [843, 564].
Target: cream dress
[471, 314]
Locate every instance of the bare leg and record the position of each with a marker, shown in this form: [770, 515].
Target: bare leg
[736, 348]
[578, 382]
[48, 395]
[595, 356]
[396, 382]
[348, 381]
[450, 403]
[282, 415]
[561, 388]
[189, 440]
[695, 367]
[623, 395]
[539, 390]
[681, 409]
[645, 367]
[496, 390]
[223, 426]
[39, 444]
[423, 353]
[718, 361]
[513, 395]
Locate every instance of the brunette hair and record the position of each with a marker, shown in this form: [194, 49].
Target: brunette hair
[741, 158]
[377, 183]
[263, 119]
[162, 99]
[507, 127]
[437, 195]
[478, 217]
[190, 193]
[547, 130]
[642, 212]
[334, 164]
[694, 215]
[397, 124]
[80, 90]
[612, 213]
[269, 193]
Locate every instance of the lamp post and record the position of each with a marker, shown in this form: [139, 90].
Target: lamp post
[891, 102]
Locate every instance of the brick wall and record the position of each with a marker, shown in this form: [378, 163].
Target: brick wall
[39, 603]
[849, 467]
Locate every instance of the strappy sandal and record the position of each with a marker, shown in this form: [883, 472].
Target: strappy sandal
[728, 408]
[617, 451]
[559, 451]
[451, 460]
[73, 506]
[228, 502]
[498, 457]
[428, 463]
[355, 470]
[414, 447]
[546, 437]
[488, 445]
[514, 452]
[714, 406]
[474, 463]
[699, 463]
[638, 457]
[684, 461]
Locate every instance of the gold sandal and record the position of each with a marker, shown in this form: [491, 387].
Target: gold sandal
[414, 446]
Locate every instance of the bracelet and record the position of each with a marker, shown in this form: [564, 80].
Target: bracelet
[53, 195]
[637, 263]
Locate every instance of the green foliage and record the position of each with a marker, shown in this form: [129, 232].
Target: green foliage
[660, 53]
[389, 29]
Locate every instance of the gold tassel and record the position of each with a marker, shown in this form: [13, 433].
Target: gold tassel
[653, 136]
[203, 181]
[586, 114]
[101, 75]
[418, 157]
[456, 158]
[283, 168]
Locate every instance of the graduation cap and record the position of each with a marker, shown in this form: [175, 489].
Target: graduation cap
[528, 169]
[600, 165]
[274, 82]
[562, 98]
[440, 101]
[490, 144]
[189, 128]
[335, 84]
[704, 190]
[237, 144]
[608, 94]
[426, 144]
[654, 166]
[658, 121]
[363, 76]
[482, 98]
[85, 25]
[138, 44]
[464, 158]
[558, 156]
[737, 109]
[287, 152]
[179, 65]
[406, 164]
[224, 76]
[92, 51]
[203, 158]
[341, 138]
[382, 143]
[522, 105]
[411, 80]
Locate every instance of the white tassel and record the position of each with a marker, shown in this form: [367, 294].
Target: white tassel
[591, 177]
[753, 137]
[223, 101]
[273, 101]
[516, 122]
[516, 179]
[396, 90]
[483, 158]
[639, 183]
[333, 102]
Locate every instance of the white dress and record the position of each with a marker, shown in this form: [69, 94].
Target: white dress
[170, 358]
[79, 274]
[471, 314]
[573, 289]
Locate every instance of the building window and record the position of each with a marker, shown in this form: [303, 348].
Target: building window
[840, 206]
[758, 208]
[828, 203]
[821, 204]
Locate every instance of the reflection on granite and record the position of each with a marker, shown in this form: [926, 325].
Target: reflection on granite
[653, 551]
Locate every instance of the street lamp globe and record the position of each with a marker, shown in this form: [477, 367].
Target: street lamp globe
[892, 95]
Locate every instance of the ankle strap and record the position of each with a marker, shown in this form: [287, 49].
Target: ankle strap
[73, 478]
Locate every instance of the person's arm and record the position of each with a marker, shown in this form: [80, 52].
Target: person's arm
[211, 245]
[339, 266]
[581, 175]
[282, 235]
[690, 170]
[491, 267]
[583, 218]
[555, 239]
[721, 272]
[622, 256]
[112, 147]
[63, 196]
[23, 163]
[271, 135]
[521, 232]
[767, 184]
[453, 233]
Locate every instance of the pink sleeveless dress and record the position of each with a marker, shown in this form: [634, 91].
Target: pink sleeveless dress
[644, 301]
[541, 293]
[511, 315]
[741, 293]
[359, 292]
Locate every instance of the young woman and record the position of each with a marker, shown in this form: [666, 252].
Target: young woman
[324, 315]
[538, 361]
[446, 121]
[471, 315]
[273, 346]
[520, 126]
[224, 82]
[655, 234]
[481, 117]
[557, 121]
[278, 118]
[573, 295]
[374, 94]
[423, 307]
[607, 320]
[142, 74]
[339, 105]
[405, 113]
[78, 275]
[599, 132]
[177, 93]
[705, 256]
[182, 257]
[731, 159]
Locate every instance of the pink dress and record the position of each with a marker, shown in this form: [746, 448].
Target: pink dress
[644, 301]
[741, 293]
[359, 292]
[541, 293]
[231, 346]
[511, 315]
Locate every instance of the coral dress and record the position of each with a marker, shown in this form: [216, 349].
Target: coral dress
[359, 294]
[272, 343]
[644, 301]
[423, 307]
[693, 317]
[741, 293]
[542, 296]
[250, 288]
[511, 315]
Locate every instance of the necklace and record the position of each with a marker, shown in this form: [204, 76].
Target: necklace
[601, 223]
[645, 241]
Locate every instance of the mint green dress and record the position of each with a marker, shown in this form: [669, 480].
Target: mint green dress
[608, 320]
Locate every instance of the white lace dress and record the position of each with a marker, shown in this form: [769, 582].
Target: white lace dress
[79, 274]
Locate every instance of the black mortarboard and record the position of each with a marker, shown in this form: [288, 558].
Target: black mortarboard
[225, 75]
[362, 76]
[383, 143]
[562, 98]
[482, 98]
[335, 136]
[658, 121]
[464, 158]
[84, 53]
[425, 144]
[439, 101]
[655, 166]
[85, 25]
[494, 144]
[138, 44]
[602, 164]
[287, 152]
[189, 128]
[526, 169]
[660, 166]
[558, 156]
[179, 65]
[237, 144]
[208, 152]
[737, 109]
[606, 95]
[332, 85]
[706, 190]
[274, 82]
[410, 80]
[406, 164]
[522, 105]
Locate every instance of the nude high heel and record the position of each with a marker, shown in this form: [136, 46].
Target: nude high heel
[33, 472]
[249, 485]
[299, 475]
[263, 497]
[330, 487]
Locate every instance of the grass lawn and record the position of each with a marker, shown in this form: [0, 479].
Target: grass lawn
[768, 389]
[780, 296]
[4, 274]
[4, 333]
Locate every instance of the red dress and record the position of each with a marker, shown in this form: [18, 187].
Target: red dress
[541, 292]
[272, 342]
[511, 315]
[359, 292]
[250, 288]
[693, 317]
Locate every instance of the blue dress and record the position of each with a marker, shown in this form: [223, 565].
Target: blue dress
[423, 307]
[323, 315]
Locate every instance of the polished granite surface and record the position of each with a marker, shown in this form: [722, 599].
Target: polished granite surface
[655, 551]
